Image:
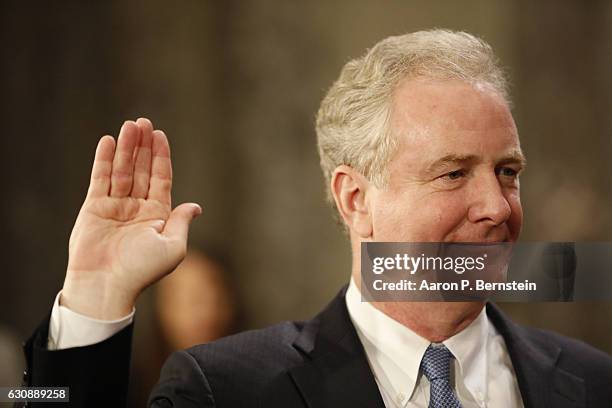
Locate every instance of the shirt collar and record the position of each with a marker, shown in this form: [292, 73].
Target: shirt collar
[398, 351]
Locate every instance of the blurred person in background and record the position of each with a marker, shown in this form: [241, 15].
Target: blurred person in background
[195, 304]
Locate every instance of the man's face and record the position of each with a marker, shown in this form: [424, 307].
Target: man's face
[453, 177]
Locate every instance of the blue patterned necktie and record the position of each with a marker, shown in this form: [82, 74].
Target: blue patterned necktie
[436, 367]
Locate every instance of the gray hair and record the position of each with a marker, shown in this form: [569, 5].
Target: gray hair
[353, 120]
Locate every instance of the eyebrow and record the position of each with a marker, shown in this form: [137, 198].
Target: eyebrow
[514, 157]
[450, 159]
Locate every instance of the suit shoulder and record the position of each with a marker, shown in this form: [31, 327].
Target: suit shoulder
[576, 354]
[575, 347]
[241, 367]
[265, 351]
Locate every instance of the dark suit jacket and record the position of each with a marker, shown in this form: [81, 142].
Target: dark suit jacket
[318, 363]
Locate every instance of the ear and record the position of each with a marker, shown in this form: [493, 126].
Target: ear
[350, 188]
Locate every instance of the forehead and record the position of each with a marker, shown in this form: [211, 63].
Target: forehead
[448, 104]
[436, 118]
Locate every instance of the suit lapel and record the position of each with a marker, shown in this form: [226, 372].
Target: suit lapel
[336, 372]
[541, 382]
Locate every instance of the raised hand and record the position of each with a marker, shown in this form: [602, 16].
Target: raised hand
[126, 235]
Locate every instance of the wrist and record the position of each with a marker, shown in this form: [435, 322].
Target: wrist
[97, 298]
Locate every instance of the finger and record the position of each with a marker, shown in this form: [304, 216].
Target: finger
[142, 163]
[123, 163]
[100, 181]
[160, 184]
[177, 226]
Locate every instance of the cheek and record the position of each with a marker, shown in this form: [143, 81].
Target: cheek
[447, 213]
[389, 220]
[408, 218]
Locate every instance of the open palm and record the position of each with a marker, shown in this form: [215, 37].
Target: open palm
[126, 235]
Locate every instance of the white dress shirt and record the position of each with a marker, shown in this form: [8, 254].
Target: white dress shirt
[482, 371]
[70, 329]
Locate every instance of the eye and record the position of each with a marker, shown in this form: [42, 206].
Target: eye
[507, 172]
[454, 175]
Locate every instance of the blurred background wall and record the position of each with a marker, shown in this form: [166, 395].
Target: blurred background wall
[236, 84]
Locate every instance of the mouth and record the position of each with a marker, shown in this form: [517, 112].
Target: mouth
[489, 240]
[497, 241]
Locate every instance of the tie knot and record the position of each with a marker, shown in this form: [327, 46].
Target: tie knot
[436, 362]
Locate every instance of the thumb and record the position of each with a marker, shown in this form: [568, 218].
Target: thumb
[177, 226]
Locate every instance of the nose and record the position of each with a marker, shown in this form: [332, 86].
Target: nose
[489, 204]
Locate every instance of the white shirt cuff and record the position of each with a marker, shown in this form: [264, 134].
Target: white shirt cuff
[69, 329]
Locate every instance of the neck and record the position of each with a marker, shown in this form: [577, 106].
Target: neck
[434, 321]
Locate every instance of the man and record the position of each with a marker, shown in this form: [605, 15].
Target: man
[417, 144]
